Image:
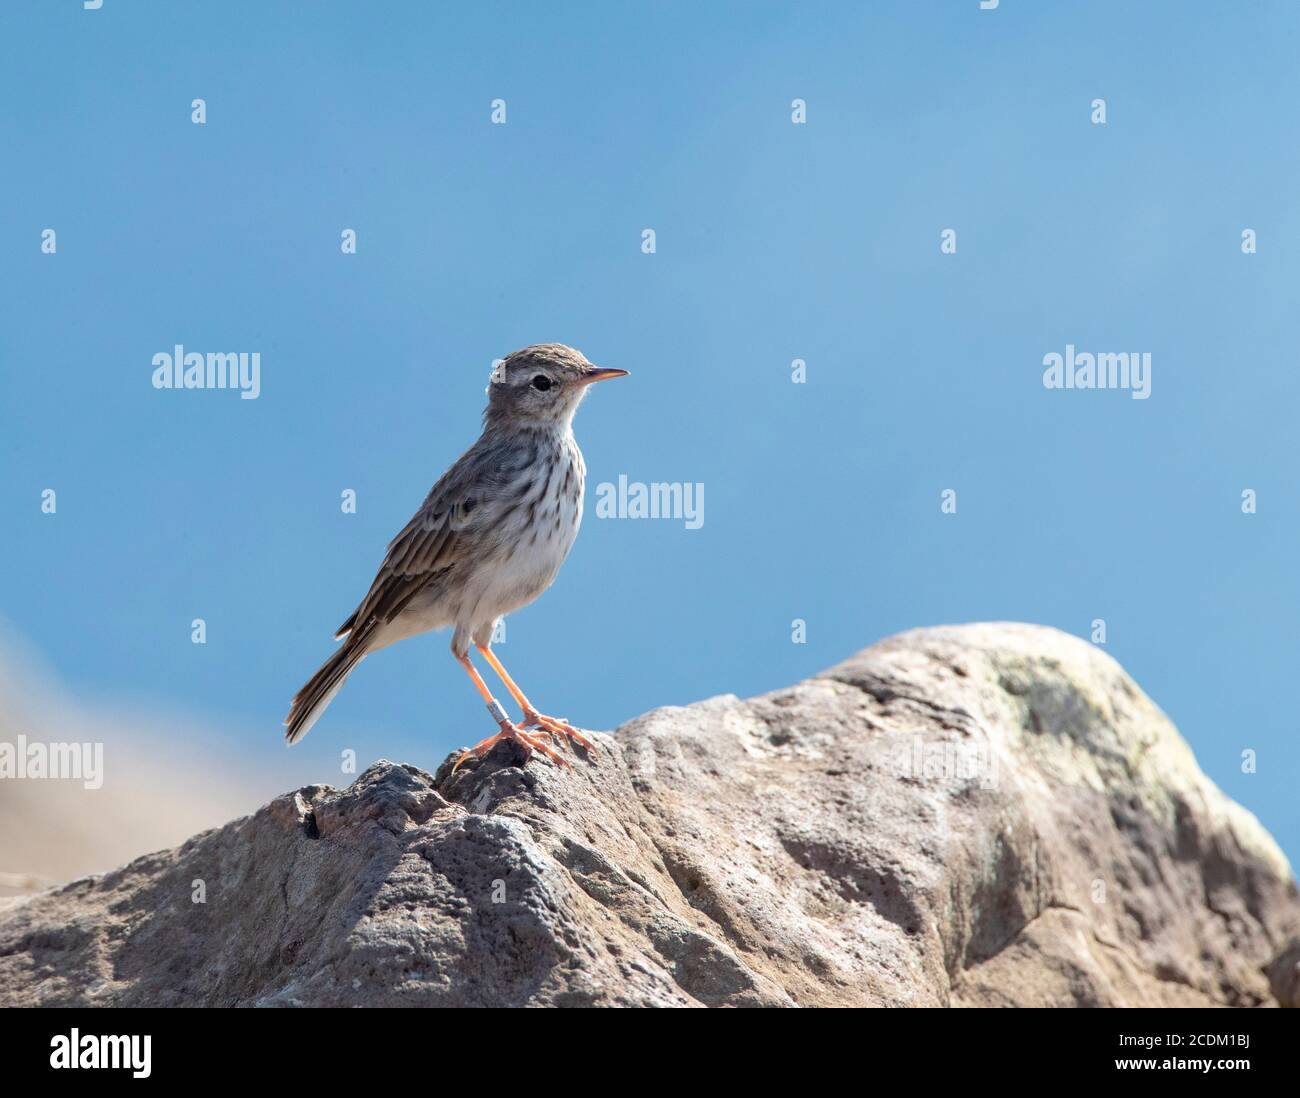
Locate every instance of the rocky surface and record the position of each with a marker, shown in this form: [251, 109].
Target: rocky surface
[961, 816]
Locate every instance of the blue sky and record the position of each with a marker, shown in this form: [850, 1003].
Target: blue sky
[774, 242]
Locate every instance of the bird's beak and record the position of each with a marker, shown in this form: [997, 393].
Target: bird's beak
[599, 373]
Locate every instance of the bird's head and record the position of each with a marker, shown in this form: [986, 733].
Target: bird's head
[542, 384]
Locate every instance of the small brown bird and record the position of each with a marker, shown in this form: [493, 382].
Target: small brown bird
[489, 538]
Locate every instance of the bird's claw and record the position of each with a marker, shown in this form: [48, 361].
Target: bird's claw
[529, 741]
[560, 728]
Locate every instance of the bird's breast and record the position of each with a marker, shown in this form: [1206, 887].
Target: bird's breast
[534, 537]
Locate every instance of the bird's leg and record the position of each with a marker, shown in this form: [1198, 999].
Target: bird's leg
[529, 741]
[556, 726]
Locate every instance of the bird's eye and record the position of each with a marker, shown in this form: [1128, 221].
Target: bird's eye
[541, 383]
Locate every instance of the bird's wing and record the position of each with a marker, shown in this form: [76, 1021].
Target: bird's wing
[442, 534]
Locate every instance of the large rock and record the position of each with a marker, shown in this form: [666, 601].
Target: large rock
[975, 815]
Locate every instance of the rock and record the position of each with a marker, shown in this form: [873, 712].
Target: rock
[1284, 976]
[962, 816]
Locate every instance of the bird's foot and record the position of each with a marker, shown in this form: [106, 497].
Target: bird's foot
[558, 727]
[528, 740]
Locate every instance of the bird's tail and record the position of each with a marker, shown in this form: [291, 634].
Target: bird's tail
[310, 702]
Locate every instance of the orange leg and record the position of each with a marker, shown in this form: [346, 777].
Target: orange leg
[556, 726]
[529, 741]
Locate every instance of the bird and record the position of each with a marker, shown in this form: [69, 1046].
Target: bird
[489, 538]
